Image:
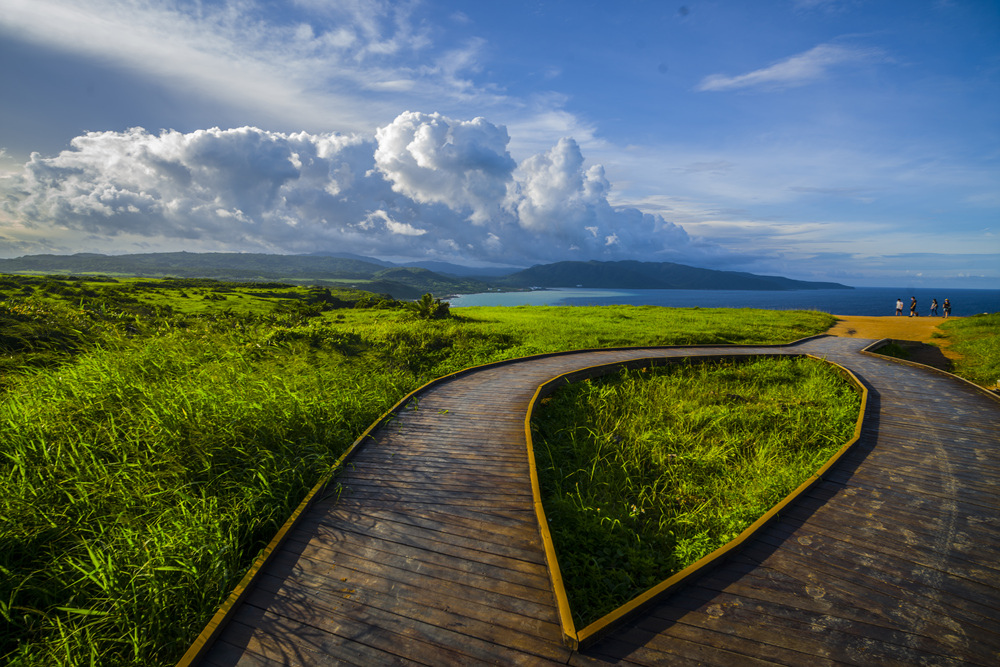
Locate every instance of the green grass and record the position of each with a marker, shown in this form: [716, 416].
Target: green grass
[647, 325]
[644, 473]
[977, 339]
[140, 482]
[149, 450]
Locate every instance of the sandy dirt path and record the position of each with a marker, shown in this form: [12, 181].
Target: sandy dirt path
[913, 333]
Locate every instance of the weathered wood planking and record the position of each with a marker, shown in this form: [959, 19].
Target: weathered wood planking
[892, 560]
[426, 549]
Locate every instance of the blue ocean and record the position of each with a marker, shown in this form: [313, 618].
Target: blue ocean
[857, 301]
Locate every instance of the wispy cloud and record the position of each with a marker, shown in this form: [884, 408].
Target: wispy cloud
[305, 71]
[798, 70]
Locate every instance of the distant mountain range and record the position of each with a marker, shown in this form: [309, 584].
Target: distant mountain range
[651, 275]
[402, 281]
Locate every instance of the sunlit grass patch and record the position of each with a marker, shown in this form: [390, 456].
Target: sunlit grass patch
[139, 484]
[643, 473]
[148, 450]
[977, 340]
[559, 327]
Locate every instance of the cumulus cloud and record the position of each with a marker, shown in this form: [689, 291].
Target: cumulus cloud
[797, 70]
[424, 186]
[461, 164]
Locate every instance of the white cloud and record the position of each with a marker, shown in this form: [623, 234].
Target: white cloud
[375, 218]
[556, 194]
[426, 186]
[461, 164]
[797, 70]
[557, 197]
[310, 73]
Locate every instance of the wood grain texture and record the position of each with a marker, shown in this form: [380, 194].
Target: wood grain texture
[426, 549]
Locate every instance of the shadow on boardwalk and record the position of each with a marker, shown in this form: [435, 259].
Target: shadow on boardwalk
[431, 553]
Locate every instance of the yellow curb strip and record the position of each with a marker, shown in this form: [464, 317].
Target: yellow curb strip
[576, 639]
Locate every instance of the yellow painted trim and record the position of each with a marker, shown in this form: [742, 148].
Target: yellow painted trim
[210, 632]
[555, 574]
[871, 351]
[218, 621]
[588, 635]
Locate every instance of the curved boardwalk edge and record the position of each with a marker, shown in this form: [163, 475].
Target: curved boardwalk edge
[872, 350]
[590, 634]
[430, 551]
[216, 624]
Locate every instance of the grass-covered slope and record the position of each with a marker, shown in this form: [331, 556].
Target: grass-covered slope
[977, 339]
[154, 435]
[631, 274]
[373, 275]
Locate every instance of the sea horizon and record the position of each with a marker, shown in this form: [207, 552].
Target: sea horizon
[863, 301]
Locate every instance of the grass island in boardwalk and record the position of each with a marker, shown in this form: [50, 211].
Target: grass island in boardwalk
[443, 332]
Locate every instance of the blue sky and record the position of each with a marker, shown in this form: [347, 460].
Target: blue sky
[847, 140]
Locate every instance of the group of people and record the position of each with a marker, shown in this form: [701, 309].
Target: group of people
[913, 307]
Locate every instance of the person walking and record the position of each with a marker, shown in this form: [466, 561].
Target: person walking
[913, 307]
[947, 308]
[899, 306]
[934, 312]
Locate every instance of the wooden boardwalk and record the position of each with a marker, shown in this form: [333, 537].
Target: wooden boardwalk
[427, 551]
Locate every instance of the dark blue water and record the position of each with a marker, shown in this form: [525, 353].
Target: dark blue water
[858, 301]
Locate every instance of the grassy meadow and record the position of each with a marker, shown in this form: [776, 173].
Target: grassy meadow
[977, 339]
[645, 472]
[156, 433]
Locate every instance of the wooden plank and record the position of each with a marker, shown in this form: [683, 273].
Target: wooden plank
[333, 640]
[507, 599]
[505, 610]
[411, 639]
[401, 457]
[225, 654]
[833, 559]
[677, 644]
[902, 528]
[798, 626]
[444, 487]
[440, 499]
[264, 645]
[443, 464]
[522, 535]
[958, 436]
[951, 446]
[930, 480]
[386, 527]
[933, 562]
[755, 632]
[477, 438]
[882, 478]
[478, 433]
[875, 484]
[489, 577]
[888, 559]
[798, 593]
[971, 519]
[521, 634]
[427, 481]
[504, 518]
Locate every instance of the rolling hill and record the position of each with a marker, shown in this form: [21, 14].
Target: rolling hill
[651, 275]
[402, 282]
